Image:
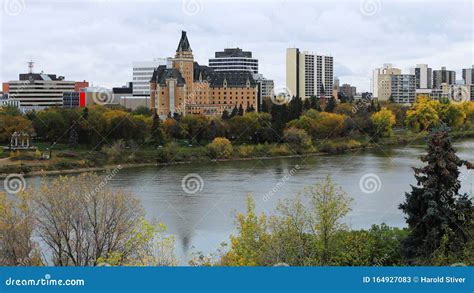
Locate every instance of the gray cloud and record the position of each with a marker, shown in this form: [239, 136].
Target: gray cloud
[98, 41]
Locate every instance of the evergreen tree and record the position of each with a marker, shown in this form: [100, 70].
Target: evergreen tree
[315, 104]
[212, 131]
[225, 115]
[331, 105]
[234, 112]
[306, 104]
[241, 110]
[157, 132]
[250, 109]
[279, 118]
[436, 211]
[85, 113]
[295, 108]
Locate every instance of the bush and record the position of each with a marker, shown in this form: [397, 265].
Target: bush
[245, 151]
[220, 148]
[280, 150]
[298, 139]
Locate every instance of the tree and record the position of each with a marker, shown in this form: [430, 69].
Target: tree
[383, 121]
[295, 108]
[84, 223]
[279, 119]
[157, 132]
[225, 115]
[315, 103]
[435, 208]
[142, 110]
[16, 232]
[422, 115]
[50, 125]
[250, 109]
[306, 104]
[234, 112]
[329, 204]
[331, 105]
[220, 148]
[241, 110]
[298, 139]
[10, 124]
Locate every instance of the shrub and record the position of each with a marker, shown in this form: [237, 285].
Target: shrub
[298, 139]
[245, 151]
[220, 148]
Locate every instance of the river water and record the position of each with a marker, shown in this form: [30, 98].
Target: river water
[376, 179]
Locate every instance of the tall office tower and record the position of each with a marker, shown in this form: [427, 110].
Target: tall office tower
[381, 80]
[403, 88]
[423, 76]
[443, 76]
[309, 74]
[468, 75]
[142, 73]
[234, 59]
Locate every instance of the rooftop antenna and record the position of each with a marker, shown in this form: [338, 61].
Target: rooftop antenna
[30, 66]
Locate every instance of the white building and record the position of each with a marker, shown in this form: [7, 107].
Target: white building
[423, 76]
[142, 73]
[468, 75]
[234, 59]
[309, 74]
[380, 82]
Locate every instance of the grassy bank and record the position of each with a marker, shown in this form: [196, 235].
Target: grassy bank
[81, 159]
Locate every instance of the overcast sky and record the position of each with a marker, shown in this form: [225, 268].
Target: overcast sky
[98, 40]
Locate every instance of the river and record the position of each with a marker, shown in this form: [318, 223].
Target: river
[201, 221]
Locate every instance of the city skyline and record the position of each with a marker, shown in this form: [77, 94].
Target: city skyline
[112, 35]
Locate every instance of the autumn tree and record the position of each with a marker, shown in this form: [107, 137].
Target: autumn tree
[383, 122]
[17, 224]
[84, 223]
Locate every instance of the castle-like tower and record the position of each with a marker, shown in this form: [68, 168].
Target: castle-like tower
[184, 62]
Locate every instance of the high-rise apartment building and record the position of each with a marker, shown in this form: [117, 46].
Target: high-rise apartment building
[381, 81]
[309, 74]
[468, 75]
[403, 88]
[234, 59]
[423, 76]
[348, 91]
[443, 76]
[142, 73]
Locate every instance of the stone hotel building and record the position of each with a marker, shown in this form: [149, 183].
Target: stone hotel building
[185, 87]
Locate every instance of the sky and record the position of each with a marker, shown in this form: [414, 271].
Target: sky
[97, 41]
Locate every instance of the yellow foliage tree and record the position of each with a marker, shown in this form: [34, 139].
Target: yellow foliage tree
[383, 121]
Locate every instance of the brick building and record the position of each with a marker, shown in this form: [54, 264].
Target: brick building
[186, 87]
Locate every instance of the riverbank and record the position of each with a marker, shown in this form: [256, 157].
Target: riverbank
[67, 161]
